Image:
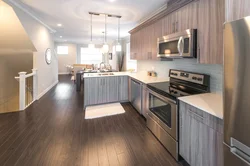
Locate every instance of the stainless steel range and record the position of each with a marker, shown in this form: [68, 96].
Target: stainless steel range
[162, 116]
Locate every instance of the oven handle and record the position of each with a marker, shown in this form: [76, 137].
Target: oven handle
[161, 97]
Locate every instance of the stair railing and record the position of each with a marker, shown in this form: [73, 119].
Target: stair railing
[23, 87]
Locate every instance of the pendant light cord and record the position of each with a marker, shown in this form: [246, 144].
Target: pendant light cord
[91, 28]
[105, 28]
[118, 30]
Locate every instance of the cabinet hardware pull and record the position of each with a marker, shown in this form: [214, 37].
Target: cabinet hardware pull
[176, 26]
[199, 116]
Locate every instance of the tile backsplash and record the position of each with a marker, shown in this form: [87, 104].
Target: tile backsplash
[162, 69]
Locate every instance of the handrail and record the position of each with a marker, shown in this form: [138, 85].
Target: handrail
[29, 75]
[26, 76]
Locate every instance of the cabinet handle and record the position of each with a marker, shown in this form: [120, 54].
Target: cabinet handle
[197, 115]
[176, 26]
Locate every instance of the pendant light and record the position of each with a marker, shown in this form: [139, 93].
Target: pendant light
[118, 46]
[105, 47]
[91, 44]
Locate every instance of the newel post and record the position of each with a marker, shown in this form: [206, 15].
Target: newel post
[22, 90]
[35, 84]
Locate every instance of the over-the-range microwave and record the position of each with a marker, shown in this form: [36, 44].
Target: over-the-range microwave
[178, 45]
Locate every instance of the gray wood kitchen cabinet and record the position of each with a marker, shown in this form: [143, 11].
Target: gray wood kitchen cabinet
[145, 98]
[101, 90]
[113, 89]
[91, 91]
[123, 88]
[201, 138]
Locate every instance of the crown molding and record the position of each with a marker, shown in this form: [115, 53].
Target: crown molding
[169, 7]
[19, 6]
[151, 15]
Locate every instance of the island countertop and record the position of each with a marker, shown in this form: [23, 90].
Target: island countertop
[142, 77]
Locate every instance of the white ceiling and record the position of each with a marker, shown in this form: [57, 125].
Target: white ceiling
[73, 15]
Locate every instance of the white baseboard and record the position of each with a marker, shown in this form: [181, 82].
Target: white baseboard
[46, 90]
[63, 73]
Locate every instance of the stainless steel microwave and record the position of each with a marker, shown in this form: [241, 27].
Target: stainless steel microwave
[178, 45]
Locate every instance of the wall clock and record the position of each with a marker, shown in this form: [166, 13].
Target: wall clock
[48, 56]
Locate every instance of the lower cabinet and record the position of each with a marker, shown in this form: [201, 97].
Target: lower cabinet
[101, 90]
[145, 100]
[123, 88]
[201, 138]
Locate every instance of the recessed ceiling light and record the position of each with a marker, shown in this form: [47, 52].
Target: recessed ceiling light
[112, 0]
[60, 36]
[59, 25]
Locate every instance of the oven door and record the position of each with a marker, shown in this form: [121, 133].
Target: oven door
[164, 112]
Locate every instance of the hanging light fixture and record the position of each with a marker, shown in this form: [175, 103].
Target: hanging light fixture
[91, 44]
[118, 45]
[105, 47]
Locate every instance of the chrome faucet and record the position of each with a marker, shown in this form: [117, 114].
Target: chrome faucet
[102, 63]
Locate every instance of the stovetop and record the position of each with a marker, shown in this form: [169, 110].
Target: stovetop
[182, 84]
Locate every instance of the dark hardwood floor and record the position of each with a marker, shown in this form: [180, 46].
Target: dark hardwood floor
[53, 131]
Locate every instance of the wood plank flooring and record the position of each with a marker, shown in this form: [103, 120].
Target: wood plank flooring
[53, 131]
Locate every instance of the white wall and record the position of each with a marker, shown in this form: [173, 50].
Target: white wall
[162, 69]
[42, 39]
[69, 59]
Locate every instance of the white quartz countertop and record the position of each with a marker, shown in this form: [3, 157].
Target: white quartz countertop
[211, 103]
[142, 77]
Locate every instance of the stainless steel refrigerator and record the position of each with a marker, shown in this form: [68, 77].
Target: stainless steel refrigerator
[237, 93]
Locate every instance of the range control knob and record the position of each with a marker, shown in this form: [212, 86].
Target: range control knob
[199, 79]
[194, 78]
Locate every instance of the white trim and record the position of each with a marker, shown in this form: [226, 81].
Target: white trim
[31, 14]
[64, 73]
[46, 90]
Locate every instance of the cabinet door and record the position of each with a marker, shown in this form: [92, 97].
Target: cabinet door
[102, 91]
[138, 44]
[191, 141]
[169, 24]
[187, 17]
[157, 29]
[112, 89]
[145, 99]
[237, 9]
[149, 34]
[132, 46]
[90, 91]
[211, 16]
[212, 148]
[123, 88]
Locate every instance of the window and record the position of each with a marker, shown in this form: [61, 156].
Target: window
[131, 64]
[91, 56]
[62, 50]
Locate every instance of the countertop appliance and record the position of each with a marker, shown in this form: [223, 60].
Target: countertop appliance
[178, 45]
[162, 116]
[136, 93]
[237, 93]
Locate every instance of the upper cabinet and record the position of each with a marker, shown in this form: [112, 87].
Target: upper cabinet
[207, 16]
[237, 9]
[211, 17]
